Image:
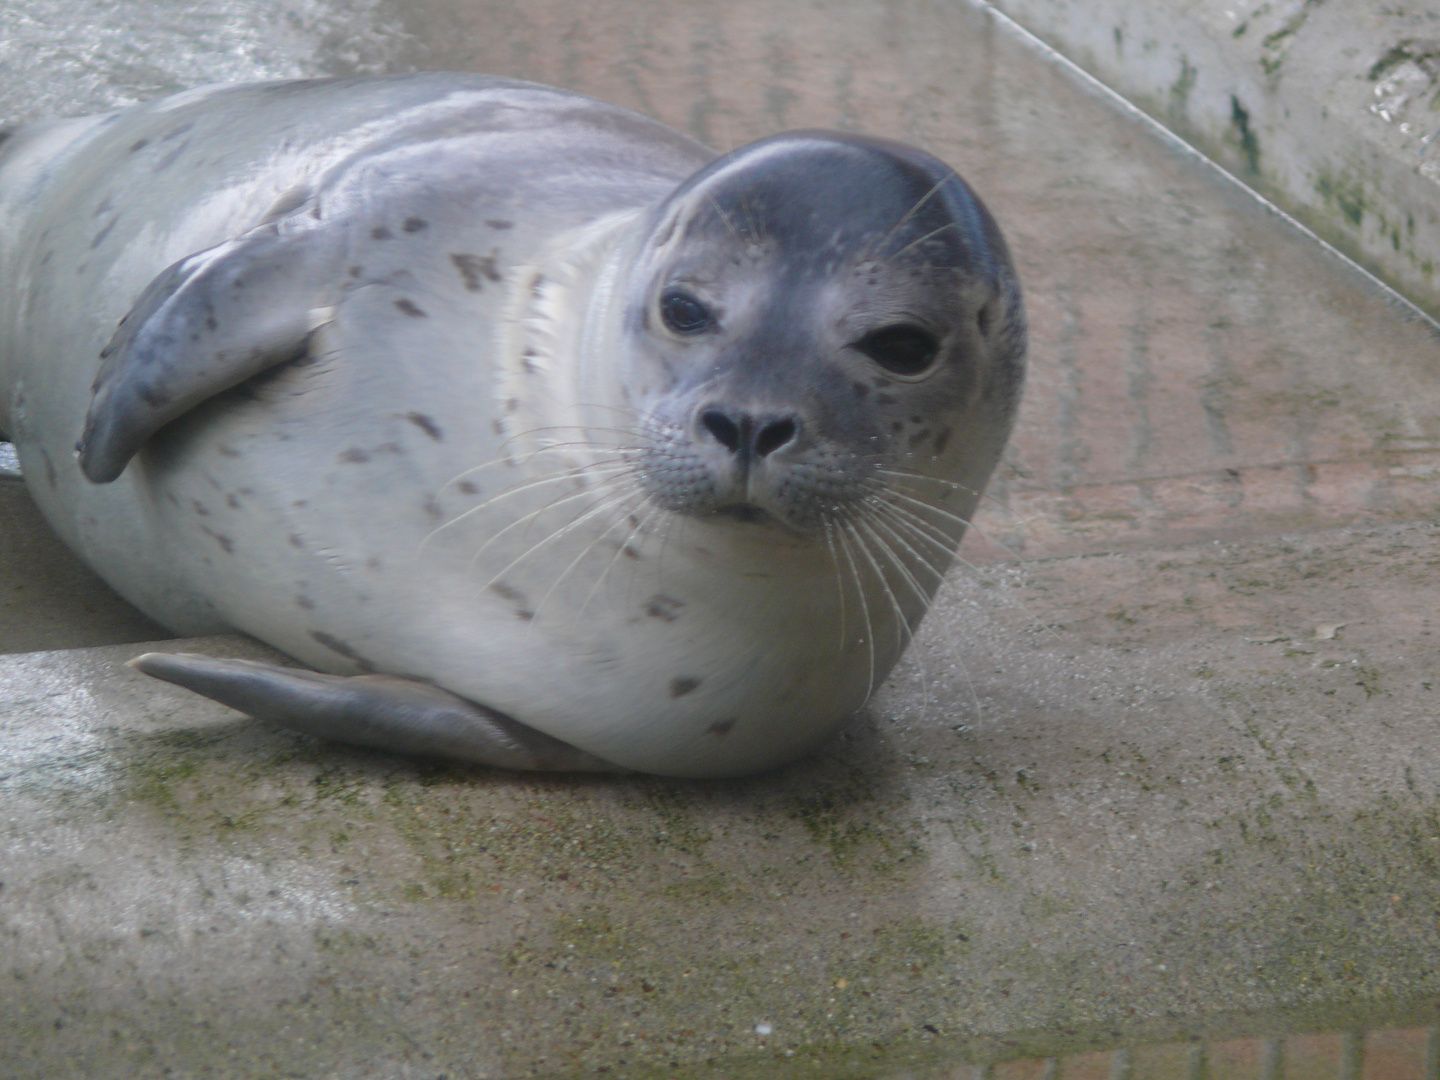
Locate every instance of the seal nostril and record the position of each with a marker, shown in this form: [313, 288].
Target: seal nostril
[725, 430]
[774, 435]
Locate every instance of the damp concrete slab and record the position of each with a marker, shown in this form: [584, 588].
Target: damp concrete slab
[1146, 792]
[1161, 768]
[1329, 110]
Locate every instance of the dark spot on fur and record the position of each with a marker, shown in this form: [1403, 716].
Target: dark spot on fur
[432, 508]
[380, 232]
[305, 602]
[220, 538]
[232, 502]
[200, 508]
[355, 456]
[512, 404]
[683, 685]
[103, 233]
[295, 541]
[415, 224]
[941, 441]
[663, 607]
[105, 204]
[170, 158]
[861, 391]
[176, 132]
[226, 450]
[139, 145]
[151, 396]
[356, 271]
[499, 223]
[897, 427]
[515, 596]
[630, 552]
[497, 426]
[474, 267]
[427, 425]
[212, 323]
[335, 645]
[409, 307]
[722, 727]
[374, 563]
[527, 361]
[468, 488]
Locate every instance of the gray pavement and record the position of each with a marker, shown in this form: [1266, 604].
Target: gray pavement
[1161, 767]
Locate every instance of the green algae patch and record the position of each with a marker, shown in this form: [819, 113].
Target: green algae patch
[1347, 197]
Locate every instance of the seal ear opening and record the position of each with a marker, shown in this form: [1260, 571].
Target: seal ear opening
[207, 323]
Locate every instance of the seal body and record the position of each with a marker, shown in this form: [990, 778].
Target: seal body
[496, 389]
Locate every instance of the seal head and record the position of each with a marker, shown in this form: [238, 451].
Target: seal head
[814, 318]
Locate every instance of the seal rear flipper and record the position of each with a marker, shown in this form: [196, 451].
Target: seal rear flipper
[378, 711]
[209, 322]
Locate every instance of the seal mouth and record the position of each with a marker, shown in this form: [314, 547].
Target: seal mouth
[749, 513]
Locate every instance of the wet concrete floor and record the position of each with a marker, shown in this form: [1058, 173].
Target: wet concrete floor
[1161, 769]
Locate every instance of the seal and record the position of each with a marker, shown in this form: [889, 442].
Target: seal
[546, 436]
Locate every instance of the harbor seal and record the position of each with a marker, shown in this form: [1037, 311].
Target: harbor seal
[547, 436]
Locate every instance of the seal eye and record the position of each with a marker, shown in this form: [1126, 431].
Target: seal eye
[683, 314]
[901, 349]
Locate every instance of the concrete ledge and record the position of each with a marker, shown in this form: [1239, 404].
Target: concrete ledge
[1103, 821]
[1329, 110]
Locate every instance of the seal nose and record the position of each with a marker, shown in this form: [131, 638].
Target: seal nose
[748, 436]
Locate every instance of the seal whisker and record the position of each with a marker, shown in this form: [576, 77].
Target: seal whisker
[964, 523]
[943, 544]
[624, 514]
[925, 597]
[920, 240]
[965, 674]
[521, 486]
[995, 501]
[598, 508]
[846, 535]
[639, 528]
[726, 219]
[904, 630]
[529, 457]
[528, 519]
[912, 474]
[905, 218]
[830, 527]
[874, 514]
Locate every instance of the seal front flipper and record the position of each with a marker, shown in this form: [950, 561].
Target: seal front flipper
[209, 322]
[378, 711]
